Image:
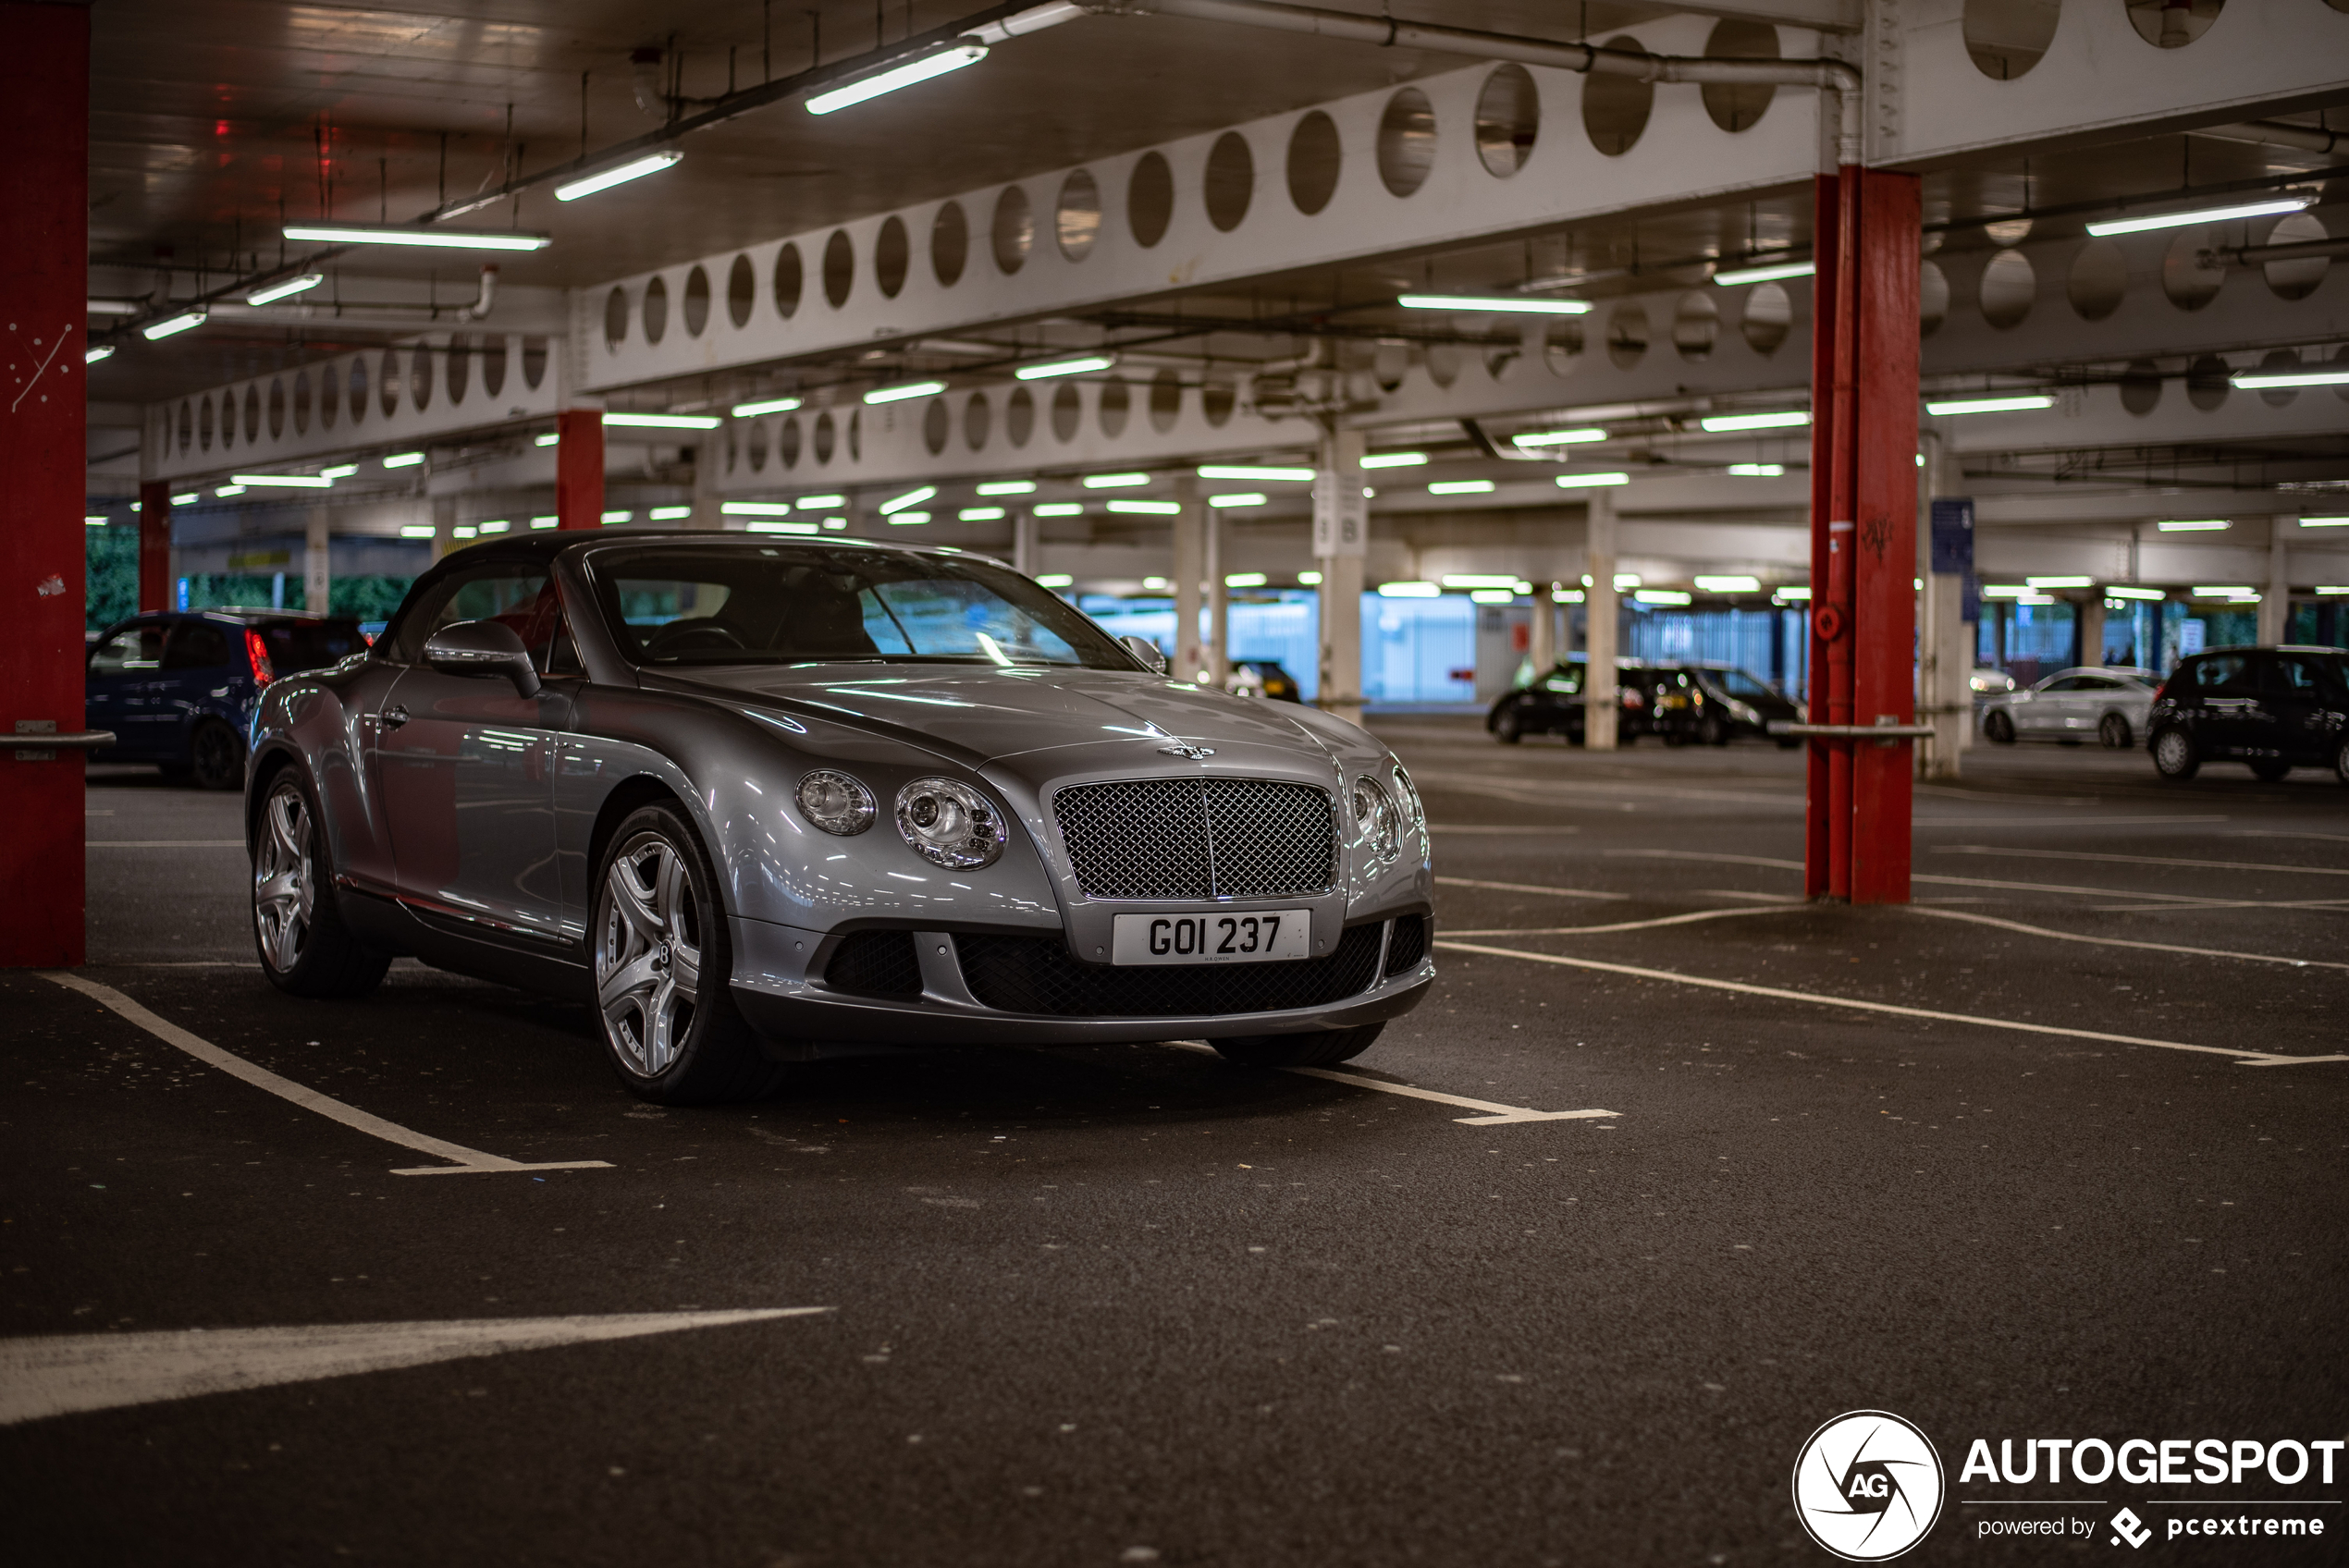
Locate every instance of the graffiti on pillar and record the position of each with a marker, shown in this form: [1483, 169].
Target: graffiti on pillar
[1876, 534]
[25, 384]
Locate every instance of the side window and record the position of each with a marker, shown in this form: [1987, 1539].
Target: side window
[2216, 674]
[2294, 677]
[129, 652]
[195, 644]
[561, 656]
[516, 593]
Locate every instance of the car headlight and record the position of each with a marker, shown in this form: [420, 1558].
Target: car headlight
[1743, 712]
[1410, 794]
[950, 824]
[837, 802]
[1375, 819]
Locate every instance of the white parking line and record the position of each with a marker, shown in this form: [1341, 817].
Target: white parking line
[1495, 1115]
[467, 1162]
[2142, 859]
[2242, 1058]
[2112, 941]
[2180, 899]
[1773, 908]
[165, 843]
[1528, 888]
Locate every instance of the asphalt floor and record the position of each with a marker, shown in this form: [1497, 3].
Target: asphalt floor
[2056, 1152]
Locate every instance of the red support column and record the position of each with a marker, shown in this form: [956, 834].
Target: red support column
[155, 547]
[45, 121]
[579, 468]
[1864, 532]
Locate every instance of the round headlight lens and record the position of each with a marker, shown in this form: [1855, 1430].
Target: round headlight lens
[1410, 792]
[837, 802]
[950, 824]
[1374, 818]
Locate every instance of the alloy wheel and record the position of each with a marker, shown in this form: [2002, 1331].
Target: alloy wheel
[649, 953]
[284, 892]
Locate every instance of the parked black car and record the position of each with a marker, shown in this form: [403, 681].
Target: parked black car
[178, 689]
[1552, 704]
[2273, 709]
[1711, 705]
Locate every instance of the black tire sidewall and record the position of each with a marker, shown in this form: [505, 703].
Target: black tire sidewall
[1999, 729]
[2115, 726]
[214, 732]
[697, 1074]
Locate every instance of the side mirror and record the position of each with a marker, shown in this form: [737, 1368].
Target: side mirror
[483, 648]
[1147, 651]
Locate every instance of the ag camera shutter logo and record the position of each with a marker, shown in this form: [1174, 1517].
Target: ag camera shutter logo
[1868, 1486]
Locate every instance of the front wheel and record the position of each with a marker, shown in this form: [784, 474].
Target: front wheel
[1507, 728]
[2341, 763]
[2174, 758]
[1999, 728]
[306, 950]
[1326, 1049]
[662, 961]
[2114, 732]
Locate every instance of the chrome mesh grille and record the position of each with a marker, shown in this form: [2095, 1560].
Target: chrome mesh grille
[1199, 838]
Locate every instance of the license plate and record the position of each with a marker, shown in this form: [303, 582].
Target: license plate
[1211, 938]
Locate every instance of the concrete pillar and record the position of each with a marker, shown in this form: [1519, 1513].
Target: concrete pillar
[1945, 650]
[2275, 600]
[708, 458]
[1190, 575]
[2090, 611]
[1341, 540]
[1541, 644]
[1602, 611]
[44, 187]
[1027, 549]
[317, 564]
[154, 545]
[1219, 604]
[579, 469]
[444, 526]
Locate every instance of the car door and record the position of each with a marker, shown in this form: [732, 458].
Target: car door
[2299, 704]
[122, 669]
[465, 763]
[2226, 698]
[199, 662]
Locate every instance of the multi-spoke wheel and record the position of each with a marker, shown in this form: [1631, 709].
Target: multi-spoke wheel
[1999, 728]
[305, 947]
[2114, 731]
[2174, 758]
[661, 966]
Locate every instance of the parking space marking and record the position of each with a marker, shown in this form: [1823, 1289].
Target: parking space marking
[2172, 899]
[2243, 1058]
[2093, 822]
[1494, 1115]
[64, 1374]
[465, 1161]
[1528, 888]
[1772, 908]
[2112, 941]
[164, 843]
[2140, 860]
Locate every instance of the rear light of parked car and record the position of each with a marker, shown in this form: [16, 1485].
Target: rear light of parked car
[257, 652]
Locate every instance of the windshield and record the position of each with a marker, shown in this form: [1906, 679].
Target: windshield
[1737, 683]
[702, 605]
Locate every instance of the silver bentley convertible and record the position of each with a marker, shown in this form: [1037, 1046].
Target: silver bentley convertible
[763, 800]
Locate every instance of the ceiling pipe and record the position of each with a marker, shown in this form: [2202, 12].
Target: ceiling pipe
[2260, 256]
[1833, 78]
[2276, 133]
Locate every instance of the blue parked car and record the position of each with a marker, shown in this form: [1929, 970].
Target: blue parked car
[178, 689]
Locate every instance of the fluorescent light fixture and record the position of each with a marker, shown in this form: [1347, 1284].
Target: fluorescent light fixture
[340, 470]
[403, 460]
[1728, 584]
[1624, 580]
[2124, 592]
[465, 531]
[2206, 592]
[1148, 508]
[898, 394]
[953, 57]
[1309, 579]
[2324, 523]
[619, 174]
[661, 422]
[772, 527]
[1566, 595]
[1477, 580]
[285, 288]
[1493, 596]
[1394, 459]
[2060, 581]
[1055, 580]
[2331, 592]
[819, 503]
[1238, 498]
[1461, 487]
[2194, 525]
[1716, 424]
[1989, 405]
[607, 517]
[187, 498]
[978, 514]
[1079, 364]
[416, 530]
[1660, 596]
[1516, 303]
[1244, 580]
[282, 481]
[1764, 272]
[544, 520]
[912, 497]
[1061, 509]
[755, 509]
[1260, 475]
[1409, 590]
[100, 351]
[764, 406]
[1008, 488]
[183, 322]
[2289, 201]
[88, 521]
[2004, 590]
[909, 519]
[1559, 437]
[1799, 594]
[496, 526]
[1159, 582]
[431, 239]
[1758, 470]
[549, 438]
[1114, 481]
[669, 514]
[836, 522]
[2259, 380]
[1587, 481]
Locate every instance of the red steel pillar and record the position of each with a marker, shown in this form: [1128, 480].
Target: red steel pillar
[1864, 442]
[579, 468]
[155, 547]
[45, 277]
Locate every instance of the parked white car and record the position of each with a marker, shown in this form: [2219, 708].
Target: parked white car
[2071, 704]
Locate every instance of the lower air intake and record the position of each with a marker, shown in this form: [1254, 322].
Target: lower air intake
[1038, 975]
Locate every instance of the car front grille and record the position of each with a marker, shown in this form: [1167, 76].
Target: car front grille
[1199, 838]
[1039, 974]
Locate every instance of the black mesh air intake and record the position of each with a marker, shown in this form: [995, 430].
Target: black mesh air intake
[1038, 975]
[876, 964]
[1408, 945]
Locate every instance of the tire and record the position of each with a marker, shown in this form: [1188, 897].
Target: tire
[2114, 731]
[1324, 1049]
[305, 949]
[1507, 728]
[2270, 770]
[2174, 758]
[215, 757]
[669, 1028]
[2341, 763]
[1999, 728]
[1711, 731]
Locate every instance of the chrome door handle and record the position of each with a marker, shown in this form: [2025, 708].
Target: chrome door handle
[394, 718]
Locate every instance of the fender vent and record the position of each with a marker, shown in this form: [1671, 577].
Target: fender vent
[876, 964]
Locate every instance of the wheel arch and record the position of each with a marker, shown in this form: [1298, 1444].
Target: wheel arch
[632, 794]
[270, 759]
